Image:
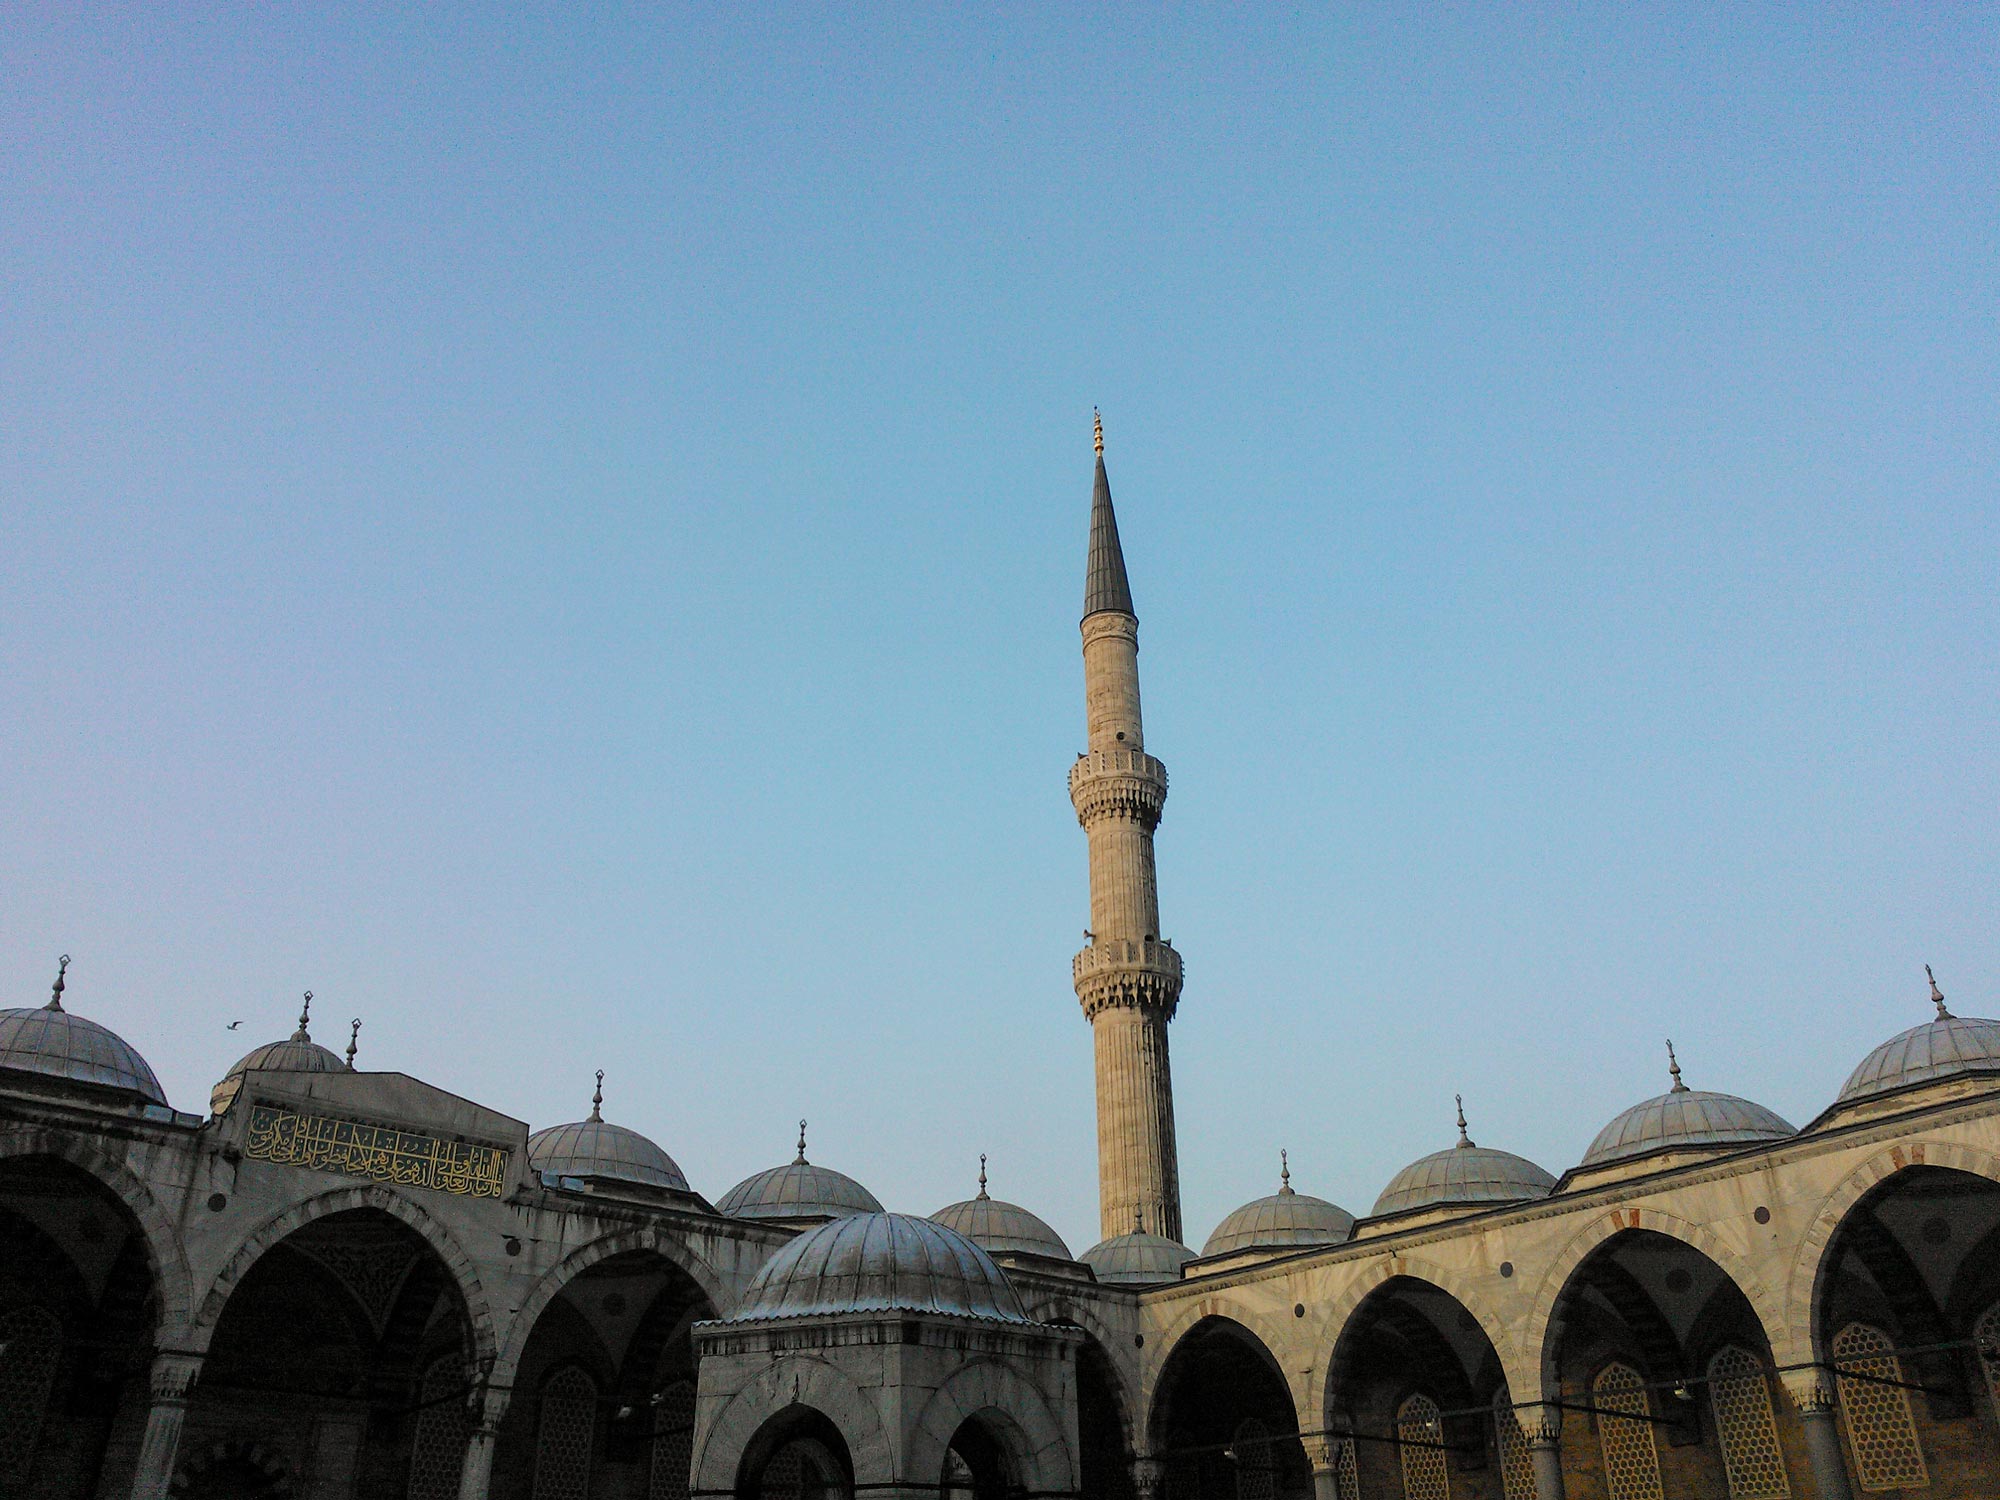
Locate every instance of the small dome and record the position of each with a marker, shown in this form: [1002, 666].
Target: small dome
[297, 1053]
[50, 1041]
[1286, 1220]
[1001, 1228]
[1684, 1119]
[1941, 1048]
[1466, 1174]
[1137, 1259]
[880, 1262]
[594, 1148]
[798, 1190]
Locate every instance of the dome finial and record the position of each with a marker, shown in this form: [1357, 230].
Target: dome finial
[1097, 422]
[802, 1145]
[55, 994]
[305, 1014]
[1284, 1171]
[597, 1098]
[1674, 1067]
[1937, 995]
[353, 1041]
[1463, 1138]
[982, 1177]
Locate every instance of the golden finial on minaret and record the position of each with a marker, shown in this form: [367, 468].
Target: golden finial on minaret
[1097, 421]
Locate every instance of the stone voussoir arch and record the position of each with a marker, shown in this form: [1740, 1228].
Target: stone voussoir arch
[801, 1380]
[1030, 1433]
[1809, 1260]
[165, 1255]
[1117, 1348]
[1369, 1278]
[1275, 1340]
[649, 1238]
[478, 1311]
[1609, 1225]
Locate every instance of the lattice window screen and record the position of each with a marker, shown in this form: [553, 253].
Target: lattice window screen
[437, 1453]
[1631, 1462]
[1986, 1337]
[1420, 1435]
[1741, 1397]
[1256, 1462]
[1347, 1471]
[563, 1441]
[33, 1340]
[673, 1443]
[1879, 1426]
[1517, 1467]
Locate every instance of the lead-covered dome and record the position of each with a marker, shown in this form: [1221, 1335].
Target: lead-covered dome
[1286, 1220]
[1001, 1228]
[50, 1041]
[798, 1190]
[1945, 1047]
[1684, 1119]
[598, 1151]
[297, 1053]
[880, 1262]
[1137, 1259]
[1463, 1174]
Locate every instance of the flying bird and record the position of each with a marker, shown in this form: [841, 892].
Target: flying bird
[232, 1025]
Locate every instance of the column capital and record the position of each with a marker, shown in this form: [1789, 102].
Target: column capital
[1541, 1424]
[1811, 1389]
[1149, 1477]
[1322, 1451]
[173, 1374]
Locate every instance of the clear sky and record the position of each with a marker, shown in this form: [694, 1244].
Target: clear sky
[563, 533]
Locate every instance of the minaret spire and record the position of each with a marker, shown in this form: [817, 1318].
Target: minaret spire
[1128, 978]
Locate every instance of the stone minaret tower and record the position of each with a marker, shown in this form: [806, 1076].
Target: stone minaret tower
[1128, 978]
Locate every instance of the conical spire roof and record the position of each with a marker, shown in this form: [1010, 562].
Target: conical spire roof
[1104, 583]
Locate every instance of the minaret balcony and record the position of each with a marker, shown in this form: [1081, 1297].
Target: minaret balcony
[1116, 971]
[1119, 784]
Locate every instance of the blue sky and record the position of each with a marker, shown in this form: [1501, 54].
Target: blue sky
[563, 534]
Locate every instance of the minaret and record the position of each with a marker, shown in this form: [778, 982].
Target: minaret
[1128, 978]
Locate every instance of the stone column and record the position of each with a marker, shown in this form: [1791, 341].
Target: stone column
[1813, 1394]
[168, 1383]
[1149, 1478]
[1542, 1426]
[1323, 1453]
[489, 1405]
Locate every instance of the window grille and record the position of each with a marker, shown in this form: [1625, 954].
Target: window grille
[563, 1440]
[673, 1443]
[437, 1453]
[1631, 1462]
[1879, 1426]
[1420, 1436]
[1517, 1466]
[32, 1339]
[1986, 1338]
[1347, 1471]
[1256, 1462]
[1741, 1397]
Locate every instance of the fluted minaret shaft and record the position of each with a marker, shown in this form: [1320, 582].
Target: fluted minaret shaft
[1128, 979]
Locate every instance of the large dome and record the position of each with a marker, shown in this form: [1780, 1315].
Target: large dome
[880, 1262]
[50, 1041]
[1942, 1048]
[595, 1149]
[1137, 1259]
[1286, 1220]
[798, 1190]
[1001, 1228]
[297, 1053]
[1684, 1119]
[1463, 1174]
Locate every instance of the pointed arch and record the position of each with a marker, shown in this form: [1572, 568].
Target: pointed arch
[793, 1380]
[1370, 1278]
[1538, 1356]
[166, 1257]
[1029, 1429]
[1801, 1338]
[478, 1311]
[651, 1239]
[1273, 1338]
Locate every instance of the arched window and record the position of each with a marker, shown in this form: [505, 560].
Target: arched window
[1256, 1461]
[1347, 1471]
[1420, 1436]
[1631, 1463]
[564, 1436]
[1879, 1427]
[1741, 1397]
[673, 1443]
[30, 1347]
[1986, 1338]
[437, 1452]
[1517, 1467]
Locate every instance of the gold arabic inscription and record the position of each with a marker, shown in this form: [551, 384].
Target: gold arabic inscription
[404, 1157]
